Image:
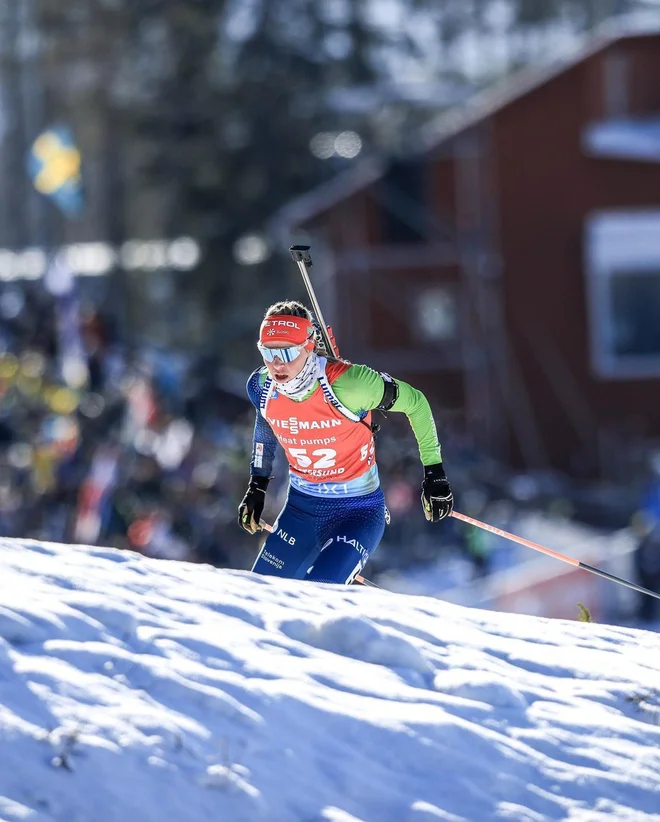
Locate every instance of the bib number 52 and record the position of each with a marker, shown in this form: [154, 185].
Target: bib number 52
[325, 457]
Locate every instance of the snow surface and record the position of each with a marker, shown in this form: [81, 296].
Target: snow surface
[138, 690]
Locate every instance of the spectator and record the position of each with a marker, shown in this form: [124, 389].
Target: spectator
[647, 565]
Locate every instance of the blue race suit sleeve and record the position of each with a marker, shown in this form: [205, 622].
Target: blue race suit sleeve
[264, 442]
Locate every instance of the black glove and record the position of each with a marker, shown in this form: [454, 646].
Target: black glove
[252, 505]
[437, 498]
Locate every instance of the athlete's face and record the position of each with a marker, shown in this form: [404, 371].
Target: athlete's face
[284, 371]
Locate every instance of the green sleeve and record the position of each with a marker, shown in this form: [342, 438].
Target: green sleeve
[360, 389]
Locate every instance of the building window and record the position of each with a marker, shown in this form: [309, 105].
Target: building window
[623, 279]
[436, 314]
[635, 302]
[404, 204]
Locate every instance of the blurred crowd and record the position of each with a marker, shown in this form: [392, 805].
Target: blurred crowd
[140, 449]
[647, 556]
[147, 450]
[144, 449]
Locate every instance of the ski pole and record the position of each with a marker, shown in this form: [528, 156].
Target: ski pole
[358, 578]
[570, 560]
[303, 258]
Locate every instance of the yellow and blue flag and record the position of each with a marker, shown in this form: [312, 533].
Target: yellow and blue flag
[54, 164]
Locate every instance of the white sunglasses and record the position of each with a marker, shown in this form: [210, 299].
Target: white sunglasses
[288, 354]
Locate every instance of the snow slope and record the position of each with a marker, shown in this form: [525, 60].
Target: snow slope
[140, 690]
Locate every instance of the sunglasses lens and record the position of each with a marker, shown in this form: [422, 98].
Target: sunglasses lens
[290, 354]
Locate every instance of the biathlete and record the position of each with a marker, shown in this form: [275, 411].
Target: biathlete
[318, 408]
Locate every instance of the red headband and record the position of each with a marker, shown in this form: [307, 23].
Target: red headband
[286, 330]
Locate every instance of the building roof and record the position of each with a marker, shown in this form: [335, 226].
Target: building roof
[328, 194]
[493, 99]
[452, 122]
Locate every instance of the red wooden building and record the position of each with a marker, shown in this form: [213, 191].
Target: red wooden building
[511, 269]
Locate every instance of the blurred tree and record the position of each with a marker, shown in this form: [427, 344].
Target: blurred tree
[197, 116]
[497, 36]
[242, 91]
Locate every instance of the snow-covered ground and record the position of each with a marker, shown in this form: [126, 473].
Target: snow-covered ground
[140, 690]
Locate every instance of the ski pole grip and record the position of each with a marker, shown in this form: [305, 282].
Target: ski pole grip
[300, 254]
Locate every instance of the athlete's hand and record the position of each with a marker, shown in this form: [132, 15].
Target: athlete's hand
[252, 505]
[437, 498]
